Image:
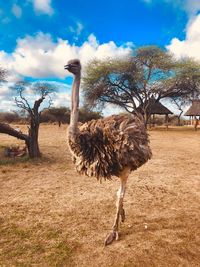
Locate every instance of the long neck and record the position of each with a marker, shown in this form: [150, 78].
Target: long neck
[75, 105]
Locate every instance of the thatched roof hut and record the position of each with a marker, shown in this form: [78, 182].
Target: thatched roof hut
[194, 110]
[194, 113]
[157, 108]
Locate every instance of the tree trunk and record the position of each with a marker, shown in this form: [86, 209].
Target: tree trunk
[146, 119]
[167, 121]
[33, 147]
[153, 120]
[179, 118]
[196, 123]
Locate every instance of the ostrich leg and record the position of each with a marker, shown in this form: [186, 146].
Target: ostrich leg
[114, 235]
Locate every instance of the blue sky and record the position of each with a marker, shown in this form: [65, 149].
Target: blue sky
[120, 21]
[37, 37]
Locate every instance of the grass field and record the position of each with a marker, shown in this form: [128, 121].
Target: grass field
[50, 216]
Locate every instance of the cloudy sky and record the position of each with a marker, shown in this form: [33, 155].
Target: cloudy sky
[38, 37]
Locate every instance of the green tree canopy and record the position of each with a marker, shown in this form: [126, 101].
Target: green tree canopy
[149, 73]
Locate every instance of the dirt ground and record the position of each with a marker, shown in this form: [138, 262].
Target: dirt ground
[50, 216]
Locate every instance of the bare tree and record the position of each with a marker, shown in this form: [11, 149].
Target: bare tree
[43, 91]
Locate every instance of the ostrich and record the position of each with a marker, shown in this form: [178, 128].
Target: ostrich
[113, 146]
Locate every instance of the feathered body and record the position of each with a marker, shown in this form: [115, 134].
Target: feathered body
[104, 147]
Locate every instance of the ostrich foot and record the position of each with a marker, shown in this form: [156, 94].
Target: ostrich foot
[114, 235]
[122, 213]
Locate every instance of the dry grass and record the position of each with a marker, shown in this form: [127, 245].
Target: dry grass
[50, 216]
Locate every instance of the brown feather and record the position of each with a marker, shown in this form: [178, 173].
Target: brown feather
[104, 147]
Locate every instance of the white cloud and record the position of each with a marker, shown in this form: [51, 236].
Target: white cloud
[190, 46]
[62, 99]
[5, 91]
[111, 109]
[191, 7]
[40, 56]
[77, 29]
[6, 97]
[7, 63]
[43, 6]
[61, 96]
[16, 10]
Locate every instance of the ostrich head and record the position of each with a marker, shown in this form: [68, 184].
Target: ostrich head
[73, 66]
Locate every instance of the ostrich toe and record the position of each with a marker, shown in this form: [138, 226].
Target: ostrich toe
[114, 235]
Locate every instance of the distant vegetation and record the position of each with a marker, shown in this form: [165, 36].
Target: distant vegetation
[10, 117]
[59, 115]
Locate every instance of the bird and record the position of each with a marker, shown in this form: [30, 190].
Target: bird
[106, 147]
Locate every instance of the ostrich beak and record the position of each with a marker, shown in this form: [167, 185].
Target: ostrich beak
[66, 67]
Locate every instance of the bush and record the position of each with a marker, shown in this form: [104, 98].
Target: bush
[9, 117]
[87, 115]
[62, 115]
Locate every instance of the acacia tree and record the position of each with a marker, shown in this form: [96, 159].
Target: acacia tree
[148, 74]
[189, 81]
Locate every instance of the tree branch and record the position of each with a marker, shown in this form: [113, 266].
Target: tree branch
[7, 129]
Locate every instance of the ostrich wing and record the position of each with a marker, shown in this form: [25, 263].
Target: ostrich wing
[102, 148]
